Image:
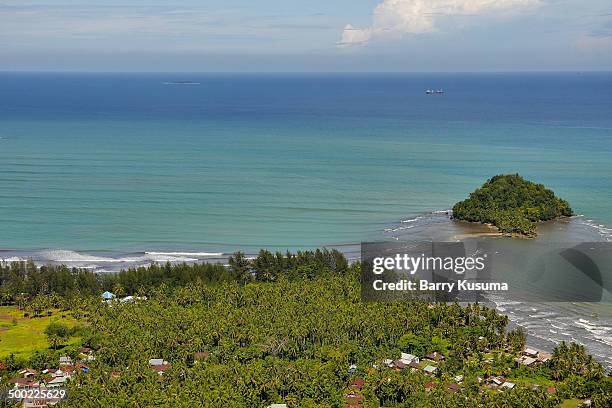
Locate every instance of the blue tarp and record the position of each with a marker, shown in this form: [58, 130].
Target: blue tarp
[108, 295]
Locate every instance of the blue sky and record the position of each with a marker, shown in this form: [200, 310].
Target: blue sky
[306, 35]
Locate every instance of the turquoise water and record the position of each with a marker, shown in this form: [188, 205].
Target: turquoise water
[98, 162]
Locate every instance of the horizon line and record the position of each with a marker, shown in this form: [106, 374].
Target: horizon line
[526, 71]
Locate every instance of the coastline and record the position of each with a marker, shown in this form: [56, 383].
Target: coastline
[547, 324]
[432, 226]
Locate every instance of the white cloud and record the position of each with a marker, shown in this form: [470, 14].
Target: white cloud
[395, 18]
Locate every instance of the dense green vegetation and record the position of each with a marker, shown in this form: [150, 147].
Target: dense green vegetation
[293, 341]
[20, 281]
[512, 204]
[284, 328]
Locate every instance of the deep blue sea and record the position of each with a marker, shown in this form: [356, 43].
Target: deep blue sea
[110, 170]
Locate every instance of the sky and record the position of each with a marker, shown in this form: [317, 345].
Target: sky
[305, 35]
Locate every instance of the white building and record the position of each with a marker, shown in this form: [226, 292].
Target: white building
[430, 370]
[531, 352]
[408, 358]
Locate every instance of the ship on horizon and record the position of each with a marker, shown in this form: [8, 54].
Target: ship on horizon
[181, 83]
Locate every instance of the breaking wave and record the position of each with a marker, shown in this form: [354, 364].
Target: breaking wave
[107, 261]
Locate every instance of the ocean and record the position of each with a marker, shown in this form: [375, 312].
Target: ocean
[106, 171]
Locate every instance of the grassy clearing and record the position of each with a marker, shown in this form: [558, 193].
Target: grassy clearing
[22, 336]
[528, 380]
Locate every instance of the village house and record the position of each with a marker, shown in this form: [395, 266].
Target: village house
[405, 360]
[525, 360]
[399, 365]
[28, 373]
[543, 356]
[500, 383]
[159, 365]
[435, 356]
[452, 387]
[160, 369]
[530, 356]
[60, 373]
[58, 378]
[23, 383]
[357, 383]
[58, 381]
[430, 370]
[408, 358]
[496, 381]
[65, 361]
[430, 385]
[67, 370]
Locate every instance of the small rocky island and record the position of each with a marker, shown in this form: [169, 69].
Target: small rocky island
[512, 204]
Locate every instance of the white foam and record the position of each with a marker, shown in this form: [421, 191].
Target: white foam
[399, 228]
[441, 212]
[164, 258]
[62, 255]
[508, 303]
[603, 230]
[84, 259]
[191, 254]
[13, 259]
